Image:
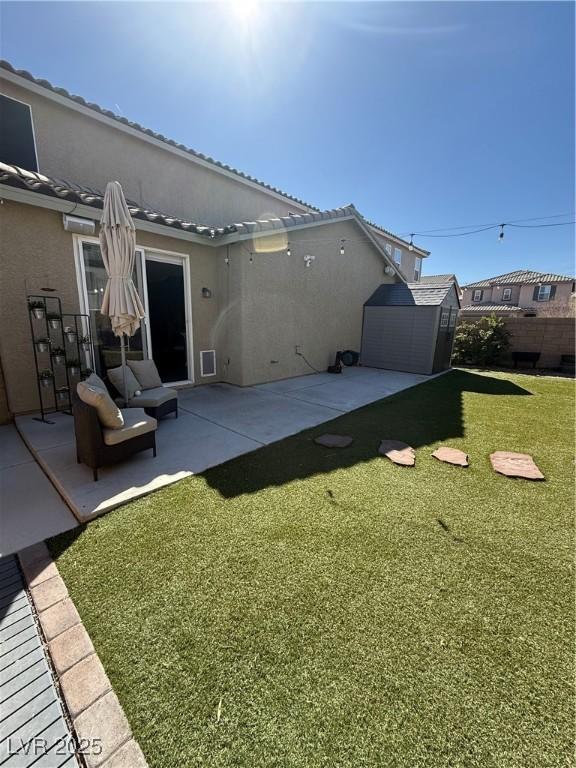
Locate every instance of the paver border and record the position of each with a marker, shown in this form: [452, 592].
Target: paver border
[92, 706]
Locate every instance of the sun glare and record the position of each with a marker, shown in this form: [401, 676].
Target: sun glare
[244, 10]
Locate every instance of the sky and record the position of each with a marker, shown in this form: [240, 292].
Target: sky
[425, 115]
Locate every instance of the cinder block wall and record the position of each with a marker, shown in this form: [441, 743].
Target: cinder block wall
[551, 336]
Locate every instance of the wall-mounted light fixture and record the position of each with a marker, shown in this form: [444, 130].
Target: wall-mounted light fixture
[389, 270]
[77, 225]
[206, 293]
[309, 259]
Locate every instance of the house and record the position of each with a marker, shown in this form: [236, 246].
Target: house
[242, 282]
[519, 294]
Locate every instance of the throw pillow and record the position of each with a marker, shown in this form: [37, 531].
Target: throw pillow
[108, 412]
[146, 373]
[124, 381]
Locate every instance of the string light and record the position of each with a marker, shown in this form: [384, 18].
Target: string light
[411, 243]
[288, 251]
[501, 235]
[342, 247]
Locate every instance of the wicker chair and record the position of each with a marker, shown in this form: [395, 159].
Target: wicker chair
[91, 448]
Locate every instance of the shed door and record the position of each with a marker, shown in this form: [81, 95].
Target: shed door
[445, 339]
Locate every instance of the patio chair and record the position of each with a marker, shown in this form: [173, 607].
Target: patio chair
[98, 446]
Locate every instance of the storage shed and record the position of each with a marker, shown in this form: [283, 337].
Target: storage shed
[410, 327]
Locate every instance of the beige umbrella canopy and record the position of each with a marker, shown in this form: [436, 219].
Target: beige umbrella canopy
[118, 245]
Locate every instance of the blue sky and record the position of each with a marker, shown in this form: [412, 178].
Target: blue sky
[425, 115]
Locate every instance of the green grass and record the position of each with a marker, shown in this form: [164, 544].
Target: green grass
[346, 611]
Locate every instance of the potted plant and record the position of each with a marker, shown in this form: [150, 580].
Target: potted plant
[37, 308]
[70, 334]
[43, 344]
[62, 394]
[46, 377]
[54, 320]
[84, 342]
[74, 367]
[58, 355]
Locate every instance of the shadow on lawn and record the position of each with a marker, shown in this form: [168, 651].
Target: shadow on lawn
[419, 416]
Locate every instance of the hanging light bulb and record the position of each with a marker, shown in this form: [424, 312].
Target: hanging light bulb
[251, 259]
[411, 243]
[341, 247]
[501, 235]
[288, 251]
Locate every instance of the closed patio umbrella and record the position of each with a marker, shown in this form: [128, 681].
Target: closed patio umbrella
[118, 246]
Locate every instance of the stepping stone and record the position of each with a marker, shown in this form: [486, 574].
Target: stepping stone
[451, 456]
[334, 441]
[515, 465]
[398, 452]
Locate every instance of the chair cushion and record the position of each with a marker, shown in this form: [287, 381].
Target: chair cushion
[95, 381]
[108, 412]
[123, 376]
[136, 422]
[146, 373]
[152, 398]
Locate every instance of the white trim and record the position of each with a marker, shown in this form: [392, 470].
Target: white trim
[203, 352]
[31, 123]
[139, 134]
[506, 294]
[183, 260]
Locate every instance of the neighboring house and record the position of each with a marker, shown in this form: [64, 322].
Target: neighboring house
[519, 293]
[237, 277]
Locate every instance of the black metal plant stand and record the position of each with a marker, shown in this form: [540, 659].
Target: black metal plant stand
[61, 341]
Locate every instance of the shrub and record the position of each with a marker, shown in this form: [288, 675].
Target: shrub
[481, 343]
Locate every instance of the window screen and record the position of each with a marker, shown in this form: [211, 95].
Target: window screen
[17, 135]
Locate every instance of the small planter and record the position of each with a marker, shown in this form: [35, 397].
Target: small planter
[62, 394]
[74, 368]
[43, 345]
[46, 378]
[84, 342]
[58, 356]
[70, 335]
[54, 321]
[38, 312]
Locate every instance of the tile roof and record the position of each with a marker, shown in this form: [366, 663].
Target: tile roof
[408, 295]
[136, 126]
[489, 306]
[12, 176]
[159, 137]
[520, 276]
[433, 279]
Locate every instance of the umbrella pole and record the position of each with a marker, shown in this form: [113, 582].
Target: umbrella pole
[123, 358]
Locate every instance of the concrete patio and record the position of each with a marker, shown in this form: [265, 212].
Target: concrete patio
[216, 423]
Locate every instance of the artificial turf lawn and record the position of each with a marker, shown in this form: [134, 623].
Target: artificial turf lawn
[343, 610]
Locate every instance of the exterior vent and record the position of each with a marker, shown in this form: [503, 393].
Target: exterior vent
[208, 362]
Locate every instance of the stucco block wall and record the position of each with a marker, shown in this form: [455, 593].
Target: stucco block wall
[36, 252]
[83, 149]
[551, 336]
[282, 303]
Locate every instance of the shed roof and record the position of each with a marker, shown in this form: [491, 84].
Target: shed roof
[408, 295]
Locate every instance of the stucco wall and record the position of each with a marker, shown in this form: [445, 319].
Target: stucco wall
[36, 252]
[282, 303]
[82, 149]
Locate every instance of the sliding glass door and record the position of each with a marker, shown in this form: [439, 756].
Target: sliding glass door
[106, 344]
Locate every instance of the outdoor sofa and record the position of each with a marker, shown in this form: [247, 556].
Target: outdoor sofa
[139, 386]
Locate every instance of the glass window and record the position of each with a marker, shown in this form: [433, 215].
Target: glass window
[417, 269]
[17, 146]
[106, 344]
[544, 292]
[453, 316]
[477, 295]
[506, 294]
[388, 249]
[444, 318]
[397, 255]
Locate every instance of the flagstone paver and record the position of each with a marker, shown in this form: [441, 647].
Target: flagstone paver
[398, 452]
[451, 456]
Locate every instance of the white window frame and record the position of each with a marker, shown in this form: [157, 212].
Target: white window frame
[507, 294]
[398, 255]
[477, 294]
[444, 318]
[143, 253]
[417, 268]
[546, 295]
[453, 316]
[8, 96]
